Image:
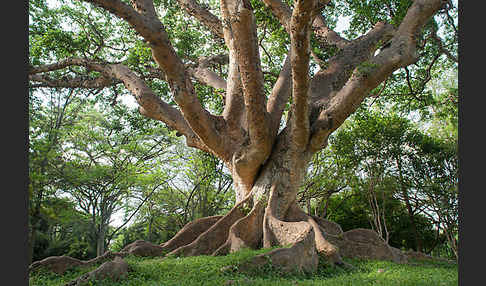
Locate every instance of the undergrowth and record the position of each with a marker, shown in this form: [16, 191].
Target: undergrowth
[224, 270]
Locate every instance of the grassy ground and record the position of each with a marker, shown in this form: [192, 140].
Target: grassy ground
[206, 270]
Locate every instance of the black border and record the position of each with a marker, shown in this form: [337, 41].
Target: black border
[14, 118]
[471, 147]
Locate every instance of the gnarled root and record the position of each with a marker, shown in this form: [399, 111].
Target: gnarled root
[329, 250]
[190, 232]
[301, 256]
[59, 264]
[143, 248]
[299, 234]
[246, 232]
[213, 238]
[116, 269]
[366, 244]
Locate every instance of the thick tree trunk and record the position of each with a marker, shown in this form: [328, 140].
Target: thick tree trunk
[268, 215]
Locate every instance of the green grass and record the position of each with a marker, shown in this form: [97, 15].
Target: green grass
[207, 270]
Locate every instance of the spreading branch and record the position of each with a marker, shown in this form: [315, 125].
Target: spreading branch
[204, 75]
[71, 82]
[150, 104]
[400, 53]
[143, 18]
[204, 16]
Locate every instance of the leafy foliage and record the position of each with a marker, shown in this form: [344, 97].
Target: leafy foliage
[382, 172]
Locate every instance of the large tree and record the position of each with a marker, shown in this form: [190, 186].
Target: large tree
[266, 148]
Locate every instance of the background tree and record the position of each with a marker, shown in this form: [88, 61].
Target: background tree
[105, 161]
[63, 230]
[50, 116]
[267, 161]
[377, 147]
[327, 175]
[436, 181]
[387, 157]
[199, 187]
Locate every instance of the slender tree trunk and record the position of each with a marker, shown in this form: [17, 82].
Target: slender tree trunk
[149, 236]
[411, 216]
[452, 241]
[32, 238]
[35, 217]
[308, 205]
[100, 241]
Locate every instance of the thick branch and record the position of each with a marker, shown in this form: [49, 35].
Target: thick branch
[72, 82]
[234, 109]
[203, 15]
[241, 37]
[331, 79]
[145, 21]
[206, 76]
[281, 11]
[152, 106]
[325, 35]
[280, 95]
[300, 56]
[402, 52]
[243, 28]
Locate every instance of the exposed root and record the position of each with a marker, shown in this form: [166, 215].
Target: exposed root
[249, 225]
[59, 264]
[301, 256]
[323, 246]
[116, 269]
[246, 232]
[213, 238]
[279, 232]
[190, 232]
[365, 244]
[328, 227]
[143, 248]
